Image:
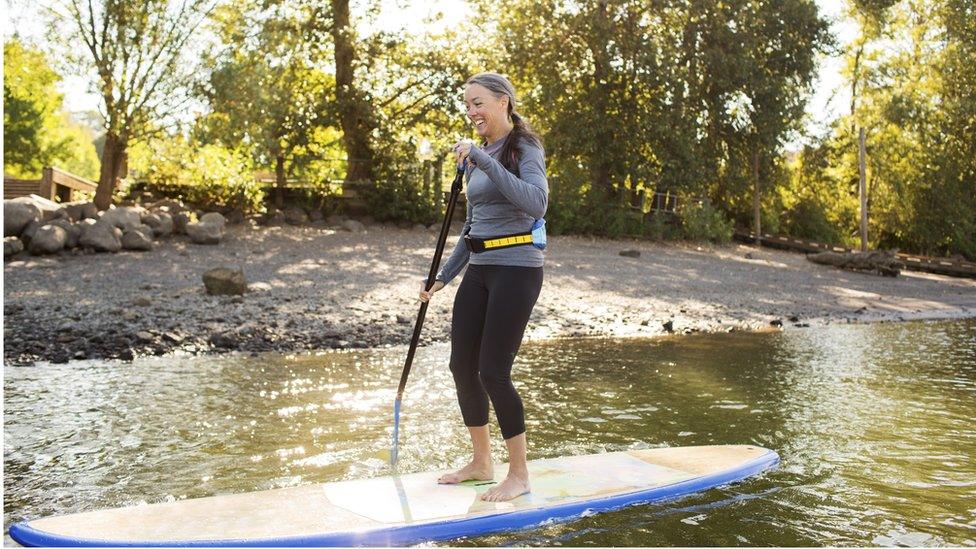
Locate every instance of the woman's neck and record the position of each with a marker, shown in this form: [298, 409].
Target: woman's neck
[504, 133]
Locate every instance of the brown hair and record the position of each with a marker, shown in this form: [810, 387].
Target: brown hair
[498, 85]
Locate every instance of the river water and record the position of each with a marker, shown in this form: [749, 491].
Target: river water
[874, 424]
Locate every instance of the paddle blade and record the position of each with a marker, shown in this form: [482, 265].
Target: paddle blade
[396, 432]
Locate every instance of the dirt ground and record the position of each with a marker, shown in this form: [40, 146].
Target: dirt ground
[319, 287]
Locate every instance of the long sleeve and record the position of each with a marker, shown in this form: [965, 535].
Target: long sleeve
[459, 257]
[530, 193]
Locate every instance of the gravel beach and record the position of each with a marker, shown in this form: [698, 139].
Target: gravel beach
[315, 288]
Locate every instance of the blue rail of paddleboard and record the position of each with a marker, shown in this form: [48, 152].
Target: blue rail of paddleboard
[407, 534]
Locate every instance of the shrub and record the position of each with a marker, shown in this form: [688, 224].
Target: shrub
[701, 221]
[217, 177]
[399, 195]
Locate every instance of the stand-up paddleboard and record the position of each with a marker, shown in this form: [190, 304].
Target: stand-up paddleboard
[405, 509]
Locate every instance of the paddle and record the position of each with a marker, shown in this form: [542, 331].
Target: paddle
[434, 265]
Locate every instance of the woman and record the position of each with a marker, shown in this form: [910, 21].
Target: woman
[507, 193]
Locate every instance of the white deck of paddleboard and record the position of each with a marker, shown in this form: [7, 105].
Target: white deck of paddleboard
[394, 500]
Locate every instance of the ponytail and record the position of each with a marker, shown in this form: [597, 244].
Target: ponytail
[521, 131]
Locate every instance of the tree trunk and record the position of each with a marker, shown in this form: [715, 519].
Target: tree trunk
[600, 165]
[756, 197]
[355, 115]
[862, 189]
[279, 191]
[113, 157]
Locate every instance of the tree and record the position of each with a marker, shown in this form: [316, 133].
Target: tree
[36, 130]
[355, 115]
[664, 94]
[911, 68]
[264, 91]
[141, 54]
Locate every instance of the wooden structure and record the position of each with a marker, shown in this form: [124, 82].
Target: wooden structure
[937, 265]
[54, 184]
[654, 201]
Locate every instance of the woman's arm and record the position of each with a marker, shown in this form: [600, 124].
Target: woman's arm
[459, 257]
[530, 193]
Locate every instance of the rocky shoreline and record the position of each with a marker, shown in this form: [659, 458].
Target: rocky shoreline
[321, 287]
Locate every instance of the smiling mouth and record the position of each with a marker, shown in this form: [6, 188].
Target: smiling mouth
[480, 124]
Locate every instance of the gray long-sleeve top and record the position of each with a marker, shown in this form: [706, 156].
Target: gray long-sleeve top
[499, 203]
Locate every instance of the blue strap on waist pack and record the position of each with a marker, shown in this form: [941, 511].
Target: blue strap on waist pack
[539, 234]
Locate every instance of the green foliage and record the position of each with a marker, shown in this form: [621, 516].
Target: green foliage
[675, 96]
[808, 219]
[80, 156]
[36, 131]
[701, 221]
[915, 100]
[399, 194]
[681, 98]
[222, 178]
[266, 94]
[206, 175]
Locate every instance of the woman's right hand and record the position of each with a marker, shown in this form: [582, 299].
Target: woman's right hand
[425, 295]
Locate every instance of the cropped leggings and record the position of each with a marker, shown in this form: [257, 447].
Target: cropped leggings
[491, 309]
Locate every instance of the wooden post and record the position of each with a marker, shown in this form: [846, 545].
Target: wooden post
[862, 190]
[755, 197]
[47, 186]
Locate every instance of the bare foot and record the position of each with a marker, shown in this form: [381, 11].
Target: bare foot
[512, 487]
[472, 471]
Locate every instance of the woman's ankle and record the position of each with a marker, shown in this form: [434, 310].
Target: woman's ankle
[520, 474]
[482, 462]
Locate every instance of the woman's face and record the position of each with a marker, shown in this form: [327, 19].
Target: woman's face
[488, 113]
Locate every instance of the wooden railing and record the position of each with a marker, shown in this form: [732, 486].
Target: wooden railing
[54, 184]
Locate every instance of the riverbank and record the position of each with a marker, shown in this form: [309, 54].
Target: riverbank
[316, 288]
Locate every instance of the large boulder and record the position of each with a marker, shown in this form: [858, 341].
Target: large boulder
[80, 210]
[73, 230]
[28, 232]
[353, 226]
[124, 217]
[225, 281]
[137, 239]
[101, 237]
[169, 205]
[205, 233]
[48, 208]
[165, 227]
[235, 217]
[160, 221]
[150, 218]
[17, 215]
[180, 221]
[296, 216]
[48, 239]
[214, 218]
[144, 229]
[12, 246]
[275, 219]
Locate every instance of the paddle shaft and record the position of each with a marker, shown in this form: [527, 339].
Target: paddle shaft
[434, 265]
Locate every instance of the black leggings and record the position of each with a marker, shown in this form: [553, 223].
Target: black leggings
[491, 309]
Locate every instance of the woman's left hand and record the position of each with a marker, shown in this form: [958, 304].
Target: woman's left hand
[461, 151]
